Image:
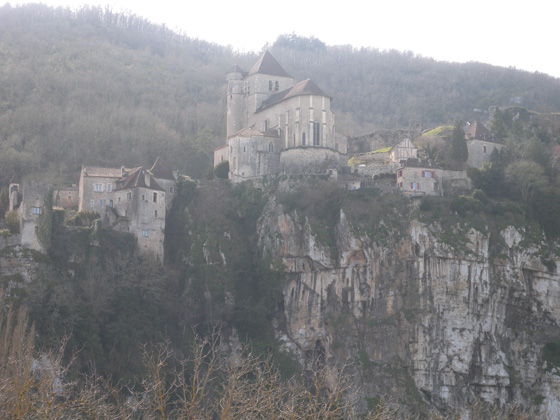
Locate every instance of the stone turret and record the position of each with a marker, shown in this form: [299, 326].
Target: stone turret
[235, 100]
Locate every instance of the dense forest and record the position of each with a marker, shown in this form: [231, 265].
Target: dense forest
[102, 88]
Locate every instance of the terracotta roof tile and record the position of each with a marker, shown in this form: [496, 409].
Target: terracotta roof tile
[136, 177]
[477, 131]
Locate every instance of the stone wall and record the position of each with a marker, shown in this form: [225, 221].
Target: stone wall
[32, 205]
[310, 160]
[480, 151]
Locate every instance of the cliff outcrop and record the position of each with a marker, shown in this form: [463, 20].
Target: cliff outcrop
[437, 317]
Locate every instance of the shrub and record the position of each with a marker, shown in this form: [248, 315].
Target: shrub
[480, 196]
[12, 221]
[222, 170]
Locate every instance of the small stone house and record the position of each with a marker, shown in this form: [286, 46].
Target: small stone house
[417, 179]
[480, 143]
[383, 160]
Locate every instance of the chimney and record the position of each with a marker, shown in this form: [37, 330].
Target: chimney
[147, 179]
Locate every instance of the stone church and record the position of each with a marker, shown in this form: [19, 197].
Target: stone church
[277, 127]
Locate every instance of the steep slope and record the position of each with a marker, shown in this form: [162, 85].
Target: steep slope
[433, 321]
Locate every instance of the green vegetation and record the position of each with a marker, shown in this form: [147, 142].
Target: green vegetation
[97, 87]
[222, 170]
[550, 353]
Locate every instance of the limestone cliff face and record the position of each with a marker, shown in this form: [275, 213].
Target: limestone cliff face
[437, 324]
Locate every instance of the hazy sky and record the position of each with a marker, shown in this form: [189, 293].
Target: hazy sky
[506, 33]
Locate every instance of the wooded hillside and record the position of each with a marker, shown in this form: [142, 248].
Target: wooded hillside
[101, 88]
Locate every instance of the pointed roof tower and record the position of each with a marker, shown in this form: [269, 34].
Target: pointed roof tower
[267, 64]
[159, 170]
[477, 131]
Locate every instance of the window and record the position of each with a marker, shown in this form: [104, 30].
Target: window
[98, 187]
[36, 210]
[128, 196]
[102, 203]
[110, 203]
[155, 213]
[118, 199]
[91, 203]
[399, 174]
[271, 147]
[270, 85]
[435, 186]
[145, 233]
[143, 197]
[303, 139]
[483, 149]
[415, 186]
[265, 125]
[316, 134]
[276, 86]
[155, 197]
[109, 187]
[171, 190]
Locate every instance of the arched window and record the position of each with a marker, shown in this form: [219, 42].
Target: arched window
[316, 134]
[303, 139]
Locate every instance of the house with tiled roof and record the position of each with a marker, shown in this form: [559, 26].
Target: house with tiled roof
[131, 200]
[480, 143]
[276, 126]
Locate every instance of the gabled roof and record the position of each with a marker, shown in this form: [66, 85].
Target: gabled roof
[477, 131]
[267, 64]
[136, 177]
[159, 170]
[306, 87]
[101, 172]
[406, 139]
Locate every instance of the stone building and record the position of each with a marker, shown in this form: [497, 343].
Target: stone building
[130, 200]
[275, 126]
[66, 197]
[28, 200]
[480, 143]
[417, 178]
[383, 160]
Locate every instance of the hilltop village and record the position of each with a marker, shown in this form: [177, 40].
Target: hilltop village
[275, 126]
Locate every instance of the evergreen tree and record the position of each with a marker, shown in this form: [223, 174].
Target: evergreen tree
[459, 152]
